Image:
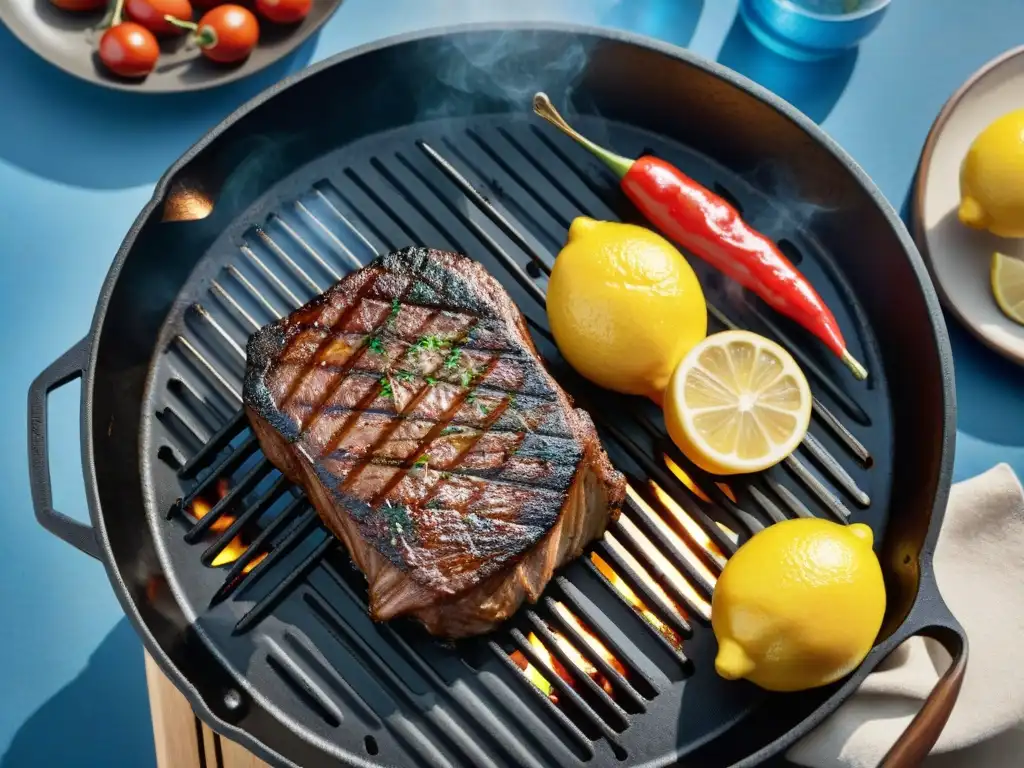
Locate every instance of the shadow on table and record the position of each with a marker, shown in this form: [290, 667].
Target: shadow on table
[100, 718]
[813, 87]
[70, 131]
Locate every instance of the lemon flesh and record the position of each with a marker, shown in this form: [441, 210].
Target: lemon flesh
[799, 605]
[1007, 275]
[737, 403]
[991, 192]
[624, 306]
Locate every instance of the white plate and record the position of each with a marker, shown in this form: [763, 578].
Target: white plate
[959, 258]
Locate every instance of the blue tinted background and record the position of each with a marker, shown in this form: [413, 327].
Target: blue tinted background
[77, 163]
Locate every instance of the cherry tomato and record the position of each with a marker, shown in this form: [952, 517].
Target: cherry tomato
[284, 11]
[129, 49]
[80, 5]
[150, 14]
[228, 33]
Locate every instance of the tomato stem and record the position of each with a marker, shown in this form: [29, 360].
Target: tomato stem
[544, 108]
[206, 37]
[116, 15]
[191, 26]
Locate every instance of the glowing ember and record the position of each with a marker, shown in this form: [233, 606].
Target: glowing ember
[578, 660]
[665, 568]
[686, 480]
[631, 597]
[682, 546]
[581, 662]
[254, 562]
[590, 638]
[531, 672]
[690, 527]
[235, 548]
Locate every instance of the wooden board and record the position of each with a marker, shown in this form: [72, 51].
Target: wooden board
[182, 740]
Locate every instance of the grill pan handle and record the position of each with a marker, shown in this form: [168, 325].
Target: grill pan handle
[917, 741]
[67, 368]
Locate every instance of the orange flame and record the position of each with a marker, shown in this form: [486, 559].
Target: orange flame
[236, 547]
[631, 597]
[589, 638]
[690, 527]
[653, 554]
[686, 480]
[531, 672]
[551, 664]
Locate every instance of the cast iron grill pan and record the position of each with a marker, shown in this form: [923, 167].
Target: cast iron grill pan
[264, 603]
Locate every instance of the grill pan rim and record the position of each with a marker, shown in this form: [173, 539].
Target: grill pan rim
[924, 607]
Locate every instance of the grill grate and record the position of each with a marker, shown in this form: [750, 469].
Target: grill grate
[659, 561]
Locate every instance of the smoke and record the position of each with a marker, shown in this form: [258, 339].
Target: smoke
[504, 71]
[782, 206]
[257, 162]
[507, 72]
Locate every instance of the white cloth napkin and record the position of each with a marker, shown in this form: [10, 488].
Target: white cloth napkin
[979, 566]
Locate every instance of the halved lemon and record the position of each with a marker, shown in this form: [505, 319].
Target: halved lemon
[737, 403]
[1008, 285]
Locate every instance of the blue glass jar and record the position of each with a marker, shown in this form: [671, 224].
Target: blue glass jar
[810, 30]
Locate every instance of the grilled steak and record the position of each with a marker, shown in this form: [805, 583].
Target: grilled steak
[410, 403]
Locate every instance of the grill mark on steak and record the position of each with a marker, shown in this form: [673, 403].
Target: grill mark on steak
[395, 424]
[345, 315]
[351, 362]
[433, 433]
[377, 332]
[456, 472]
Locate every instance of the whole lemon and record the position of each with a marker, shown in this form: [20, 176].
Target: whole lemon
[799, 605]
[624, 306]
[991, 190]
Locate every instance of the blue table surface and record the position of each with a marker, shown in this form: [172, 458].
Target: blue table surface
[77, 163]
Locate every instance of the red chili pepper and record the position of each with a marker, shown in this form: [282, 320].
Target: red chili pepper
[709, 227]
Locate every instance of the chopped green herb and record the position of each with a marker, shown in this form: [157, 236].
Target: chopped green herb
[433, 504]
[453, 358]
[397, 516]
[467, 378]
[431, 380]
[471, 398]
[385, 387]
[450, 431]
[395, 309]
[422, 461]
[405, 375]
[484, 409]
[429, 342]
[446, 475]
[375, 345]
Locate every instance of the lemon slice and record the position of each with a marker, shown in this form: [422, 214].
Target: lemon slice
[737, 403]
[1008, 285]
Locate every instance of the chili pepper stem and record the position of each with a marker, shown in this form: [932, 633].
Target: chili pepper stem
[851, 362]
[544, 108]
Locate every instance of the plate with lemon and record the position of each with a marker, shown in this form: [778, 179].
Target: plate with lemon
[969, 204]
